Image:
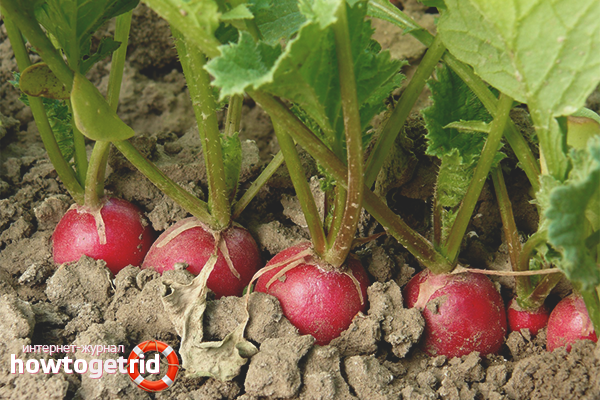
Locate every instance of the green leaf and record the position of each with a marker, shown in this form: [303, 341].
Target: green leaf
[232, 163]
[93, 116]
[574, 211]
[239, 12]
[453, 180]
[277, 19]
[545, 53]
[72, 22]
[106, 47]
[453, 101]
[305, 72]
[39, 81]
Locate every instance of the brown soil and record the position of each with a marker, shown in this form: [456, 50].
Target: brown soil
[376, 358]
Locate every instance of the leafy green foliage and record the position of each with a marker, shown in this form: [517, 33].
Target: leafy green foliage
[305, 71]
[573, 213]
[106, 47]
[543, 53]
[72, 23]
[277, 19]
[59, 118]
[453, 101]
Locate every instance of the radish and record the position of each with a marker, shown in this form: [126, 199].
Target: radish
[463, 313]
[569, 322]
[116, 232]
[318, 302]
[520, 318]
[191, 242]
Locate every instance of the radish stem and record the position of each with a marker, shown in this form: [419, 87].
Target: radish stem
[482, 170]
[342, 244]
[97, 168]
[416, 244]
[259, 182]
[394, 124]
[307, 201]
[198, 81]
[511, 233]
[192, 204]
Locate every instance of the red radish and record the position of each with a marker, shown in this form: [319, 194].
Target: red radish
[318, 302]
[191, 242]
[463, 313]
[117, 233]
[569, 322]
[520, 318]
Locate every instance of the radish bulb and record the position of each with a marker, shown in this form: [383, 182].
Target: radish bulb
[117, 232]
[519, 318]
[463, 313]
[318, 302]
[192, 243]
[569, 322]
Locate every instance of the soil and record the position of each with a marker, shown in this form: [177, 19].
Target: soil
[378, 357]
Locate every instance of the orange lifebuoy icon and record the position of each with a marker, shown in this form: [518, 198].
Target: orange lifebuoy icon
[134, 371]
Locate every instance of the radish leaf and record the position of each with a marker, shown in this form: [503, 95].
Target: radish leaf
[573, 214]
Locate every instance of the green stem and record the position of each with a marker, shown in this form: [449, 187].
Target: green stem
[416, 244]
[307, 201]
[339, 195]
[94, 187]
[97, 168]
[117, 65]
[62, 167]
[382, 9]
[592, 303]
[259, 182]
[23, 17]
[234, 115]
[467, 206]
[402, 110]
[190, 203]
[535, 240]
[513, 136]
[537, 297]
[342, 244]
[198, 81]
[511, 233]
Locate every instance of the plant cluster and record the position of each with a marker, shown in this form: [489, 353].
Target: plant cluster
[314, 68]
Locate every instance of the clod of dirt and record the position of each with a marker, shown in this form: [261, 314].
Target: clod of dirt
[266, 318]
[401, 327]
[293, 210]
[51, 210]
[211, 389]
[110, 386]
[275, 237]
[17, 257]
[361, 337]
[322, 377]
[137, 303]
[369, 379]
[381, 265]
[77, 285]
[17, 319]
[274, 371]
[557, 375]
